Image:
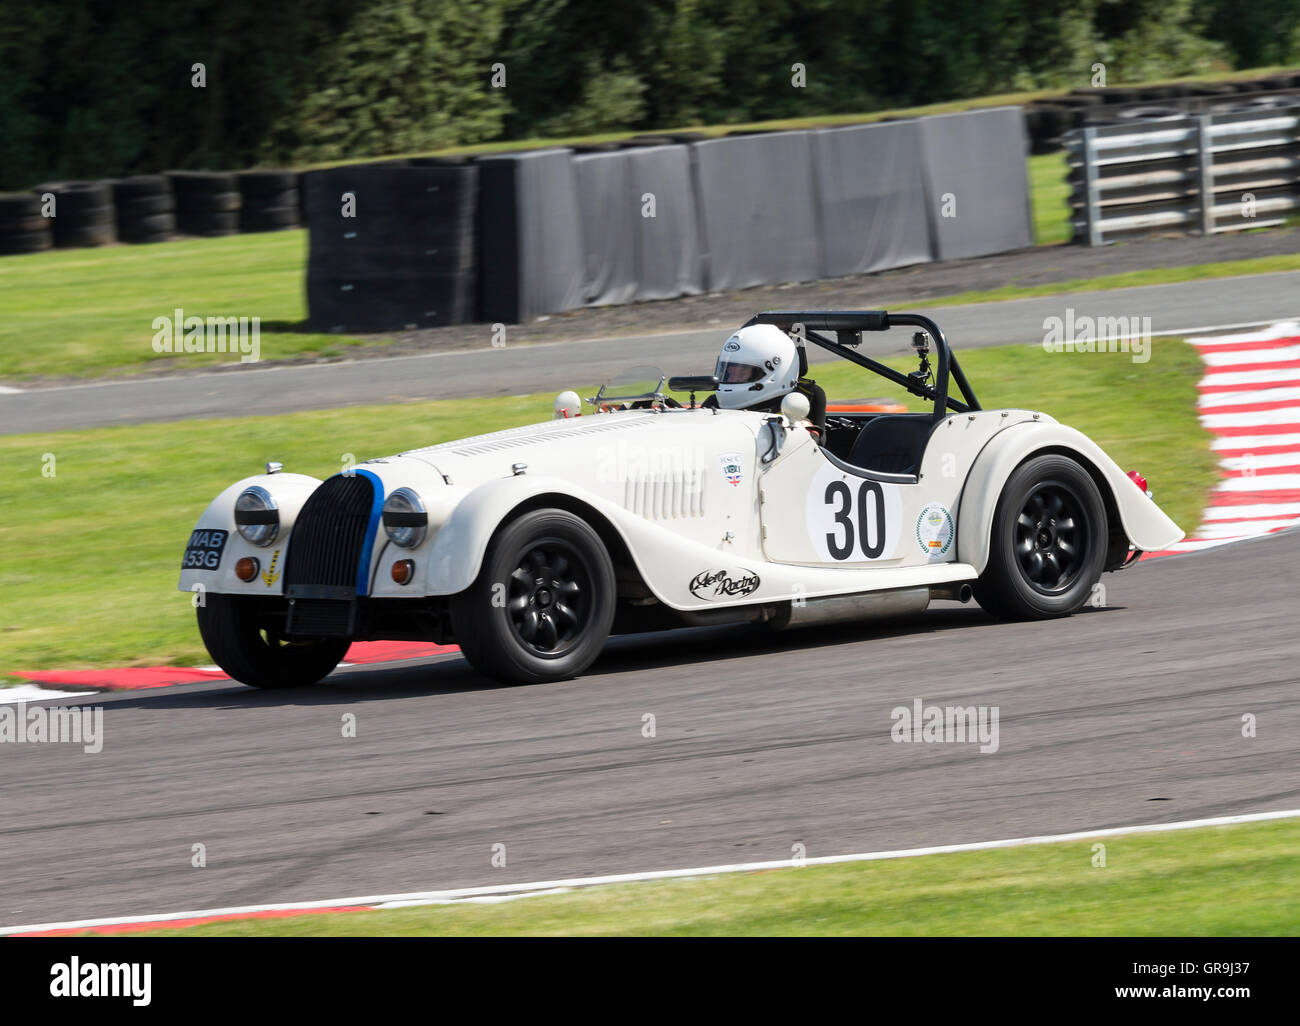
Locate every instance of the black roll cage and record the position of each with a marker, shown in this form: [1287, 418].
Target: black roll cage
[848, 326]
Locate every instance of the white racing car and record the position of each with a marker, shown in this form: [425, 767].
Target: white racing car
[529, 547]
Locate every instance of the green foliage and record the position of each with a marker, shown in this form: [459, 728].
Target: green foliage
[91, 88]
[610, 100]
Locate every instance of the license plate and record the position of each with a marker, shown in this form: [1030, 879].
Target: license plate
[204, 550]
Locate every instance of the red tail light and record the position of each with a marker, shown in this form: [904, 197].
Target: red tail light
[1139, 480]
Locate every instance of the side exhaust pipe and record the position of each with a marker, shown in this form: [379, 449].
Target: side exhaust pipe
[962, 592]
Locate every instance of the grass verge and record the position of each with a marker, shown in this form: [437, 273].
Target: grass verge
[1217, 881]
[92, 553]
[90, 312]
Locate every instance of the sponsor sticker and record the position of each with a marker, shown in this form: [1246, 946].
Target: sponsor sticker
[732, 346]
[713, 584]
[204, 550]
[934, 530]
[732, 469]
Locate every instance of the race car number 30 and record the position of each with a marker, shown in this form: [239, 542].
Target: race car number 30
[204, 550]
[852, 518]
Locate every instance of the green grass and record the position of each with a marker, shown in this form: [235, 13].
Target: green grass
[1049, 191]
[1218, 881]
[92, 554]
[90, 312]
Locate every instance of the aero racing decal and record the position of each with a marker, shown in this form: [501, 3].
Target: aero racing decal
[851, 518]
[934, 530]
[204, 550]
[711, 584]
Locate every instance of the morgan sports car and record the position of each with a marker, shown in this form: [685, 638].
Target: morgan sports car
[529, 547]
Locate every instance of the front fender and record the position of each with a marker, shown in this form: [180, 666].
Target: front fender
[1145, 523]
[456, 554]
[290, 491]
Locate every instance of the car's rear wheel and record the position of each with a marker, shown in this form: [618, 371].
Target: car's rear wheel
[1048, 546]
[543, 604]
[240, 643]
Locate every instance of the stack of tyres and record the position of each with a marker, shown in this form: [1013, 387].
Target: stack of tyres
[207, 202]
[146, 208]
[270, 201]
[83, 212]
[391, 248]
[22, 228]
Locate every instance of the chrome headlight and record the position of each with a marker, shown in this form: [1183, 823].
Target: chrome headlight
[257, 516]
[405, 519]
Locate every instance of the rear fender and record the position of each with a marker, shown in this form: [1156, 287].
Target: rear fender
[1143, 522]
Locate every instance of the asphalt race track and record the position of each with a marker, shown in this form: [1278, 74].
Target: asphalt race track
[518, 370]
[1123, 715]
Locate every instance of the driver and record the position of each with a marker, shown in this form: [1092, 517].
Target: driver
[759, 365]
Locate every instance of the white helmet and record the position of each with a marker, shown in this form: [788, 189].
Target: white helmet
[757, 364]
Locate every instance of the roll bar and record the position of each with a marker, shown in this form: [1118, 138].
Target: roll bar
[848, 326]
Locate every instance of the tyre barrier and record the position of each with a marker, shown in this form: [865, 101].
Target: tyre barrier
[399, 255]
[207, 203]
[270, 201]
[22, 228]
[145, 209]
[83, 213]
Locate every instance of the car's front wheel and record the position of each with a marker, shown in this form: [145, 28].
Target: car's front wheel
[543, 604]
[1048, 546]
[242, 645]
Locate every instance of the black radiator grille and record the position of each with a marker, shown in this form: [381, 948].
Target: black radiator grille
[325, 547]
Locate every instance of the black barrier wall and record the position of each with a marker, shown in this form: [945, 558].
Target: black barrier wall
[551, 230]
[640, 226]
[530, 236]
[391, 248]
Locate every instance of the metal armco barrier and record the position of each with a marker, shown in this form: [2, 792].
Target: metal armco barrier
[1207, 173]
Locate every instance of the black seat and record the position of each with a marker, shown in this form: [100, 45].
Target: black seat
[892, 443]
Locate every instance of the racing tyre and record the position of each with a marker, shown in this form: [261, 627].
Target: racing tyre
[543, 604]
[255, 656]
[1049, 542]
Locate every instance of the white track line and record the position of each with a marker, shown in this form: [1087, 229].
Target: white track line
[1252, 462]
[1282, 329]
[1260, 510]
[1254, 395]
[36, 693]
[551, 886]
[1276, 354]
[1248, 442]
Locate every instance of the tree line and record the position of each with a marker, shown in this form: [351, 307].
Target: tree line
[96, 88]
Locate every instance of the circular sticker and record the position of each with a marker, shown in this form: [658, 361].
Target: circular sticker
[934, 530]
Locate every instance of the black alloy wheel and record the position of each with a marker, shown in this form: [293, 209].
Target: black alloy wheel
[543, 603]
[1047, 547]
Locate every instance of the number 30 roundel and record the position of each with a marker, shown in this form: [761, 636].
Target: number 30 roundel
[852, 519]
